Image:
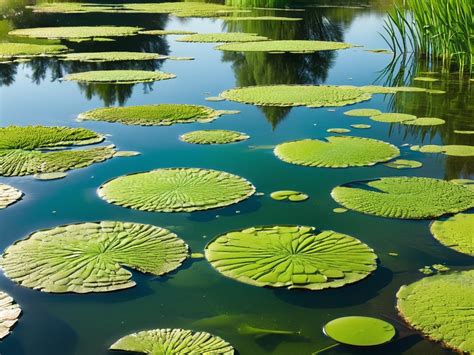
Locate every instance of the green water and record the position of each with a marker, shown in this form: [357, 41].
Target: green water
[31, 93]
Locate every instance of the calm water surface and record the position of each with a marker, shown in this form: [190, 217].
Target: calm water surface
[31, 93]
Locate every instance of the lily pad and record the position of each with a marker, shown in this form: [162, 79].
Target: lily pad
[119, 76]
[300, 46]
[463, 132]
[22, 149]
[338, 130]
[215, 136]
[336, 152]
[261, 18]
[100, 57]
[88, 257]
[222, 37]
[453, 150]
[393, 117]
[340, 210]
[376, 89]
[425, 78]
[359, 331]
[173, 341]
[74, 32]
[363, 112]
[14, 51]
[440, 307]
[154, 115]
[361, 126]
[405, 197]
[166, 32]
[177, 190]
[9, 195]
[214, 98]
[126, 153]
[297, 95]
[425, 121]
[404, 164]
[289, 195]
[456, 232]
[9, 314]
[291, 257]
[51, 176]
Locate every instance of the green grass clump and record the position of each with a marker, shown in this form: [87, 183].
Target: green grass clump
[119, 76]
[75, 32]
[222, 37]
[100, 57]
[12, 51]
[295, 46]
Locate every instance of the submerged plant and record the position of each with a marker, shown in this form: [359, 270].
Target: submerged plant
[456, 232]
[9, 195]
[293, 46]
[9, 314]
[119, 76]
[215, 136]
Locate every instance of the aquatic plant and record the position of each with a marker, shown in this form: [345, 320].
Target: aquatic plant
[404, 164]
[363, 112]
[405, 197]
[293, 46]
[119, 76]
[51, 176]
[166, 32]
[13, 51]
[338, 130]
[173, 341]
[456, 232]
[76, 32]
[222, 37]
[393, 117]
[176, 190]
[452, 150]
[151, 115]
[425, 121]
[336, 152]
[22, 149]
[289, 195]
[9, 195]
[361, 126]
[215, 136]
[260, 18]
[440, 307]
[291, 257]
[9, 314]
[377, 89]
[359, 331]
[100, 57]
[90, 257]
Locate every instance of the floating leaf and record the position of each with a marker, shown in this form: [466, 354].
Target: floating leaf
[456, 232]
[119, 76]
[22, 149]
[173, 341]
[75, 32]
[363, 112]
[404, 164]
[9, 314]
[440, 307]
[88, 257]
[300, 46]
[375, 89]
[359, 331]
[52, 176]
[393, 117]
[340, 210]
[215, 136]
[336, 152]
[290, 195]
[361, 126]
[9, 195]
[405, 197]
[291, 257]
[13, 51]
[425, 121]
[100, 57]
[463, 132]
[222, 37]
[425, 78]
[166, 32]
[177, 190]
[454, 150]
[126, 153]
[151, 115]
[338, 130]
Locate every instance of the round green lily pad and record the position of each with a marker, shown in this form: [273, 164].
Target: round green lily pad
[456, 232]
[154, 115]
[52, 176]
[404, 197]
[360, 126]
[425, 121]
[9, 195]
[22, 149]
[440, 307]
[88, 257]
[338, 130]
[214, 136]
[173, 341]
[100, 57]
[76, 32]
[363, 112]
[9, 314]
[393, 117]
[340, 210]
[297, 95]
[12, 51]
[425, 78]
[289, 195]
[336, 152]
[126, 153]
[166, 32]
[261, 18]
[119, 76]
[404, 164]
[177, 190]
[291, 257]
[300, 46]
[222, 37]
[463, 132]
[376, 89]
[359, 331]
[453, 150]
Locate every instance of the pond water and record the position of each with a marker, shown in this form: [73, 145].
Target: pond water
[30, 93]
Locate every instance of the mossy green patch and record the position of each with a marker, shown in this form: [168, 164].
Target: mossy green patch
[289, 195]
[299, 46]
[14, 51]
[215, 136]
[456, 232]
[440, 307]
[76, 32]
[291, 257]
[363, 112]
[425, 121]
[9, 195]
[173, 341]
[100, 57]
[404, 164]
[453, 150]
[119, 76]
[336, 152]
[222, 37]
[154, 115]
[9, 314]
[166, 32]
[360, 126]
[393, 117]
[405, 197]
[338, 130]
[88, 257]
[176, 190]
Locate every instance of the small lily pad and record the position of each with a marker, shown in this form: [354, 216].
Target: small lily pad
[173, 341]
[361, 126]
[14, 51]
[425, 121]
[453, 150]
[222, 37]
[363, 112]
[338, 130]
[261, 18]
[126, 153]
[393, 117]
[293, 46]
[425, 78]
[51, 176]
[100, 57]
[9, 195]
[214, 98]
[119, 76]
[359, 331]
[456, 232]
[75, 32]
[9, 314]
[376, 89]
[289, 195]
[404, 164]
[166, 32]
[340, 210]
[463, 132]
[215, 136]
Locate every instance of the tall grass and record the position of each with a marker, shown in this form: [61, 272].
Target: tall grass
[440, 30]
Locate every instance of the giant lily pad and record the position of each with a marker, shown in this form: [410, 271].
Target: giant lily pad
[22, 149]
[215, 136]
[13, 51]
[173, 341]
[8, 195]
[119, 76]
[291, 257]
[440, 307]
[425, 121]
[99, 57]
[298, 46]
[453, 150]
[222, 37]
[88, 257]
[9, 314]
[297, 95]
[151, 115]
[177, 190]
[456, 232]
[363, 112]
[360, 331]
[75, 32]
[393, 117]
[405, 197]
[336, 152]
